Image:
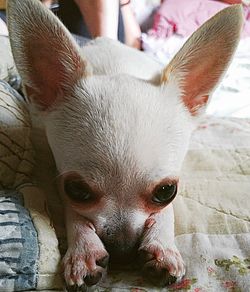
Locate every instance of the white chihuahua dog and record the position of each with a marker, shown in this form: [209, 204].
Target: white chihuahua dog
[119, 127]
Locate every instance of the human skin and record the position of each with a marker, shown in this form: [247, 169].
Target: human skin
[131, 27]
[101, 16]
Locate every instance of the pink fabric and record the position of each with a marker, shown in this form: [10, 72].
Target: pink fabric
[185, 16]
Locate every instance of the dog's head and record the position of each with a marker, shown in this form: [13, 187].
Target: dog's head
[118, 140]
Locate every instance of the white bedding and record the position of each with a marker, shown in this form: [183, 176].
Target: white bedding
[232, 97]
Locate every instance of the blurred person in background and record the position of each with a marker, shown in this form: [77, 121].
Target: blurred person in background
[92, 18]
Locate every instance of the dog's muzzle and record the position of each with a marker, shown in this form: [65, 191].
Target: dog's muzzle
[122, 243]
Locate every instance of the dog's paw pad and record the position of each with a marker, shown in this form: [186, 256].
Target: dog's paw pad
[161, 267]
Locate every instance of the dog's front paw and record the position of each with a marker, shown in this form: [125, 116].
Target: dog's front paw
[161, 266]
[83, 267]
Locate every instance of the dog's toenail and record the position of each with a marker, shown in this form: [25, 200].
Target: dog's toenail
[103, 262]
[160, 259]
[91, 226]
[170, 280]
[91, 280]
[149, 222]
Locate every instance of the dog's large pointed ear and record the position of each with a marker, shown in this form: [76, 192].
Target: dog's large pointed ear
[46, 55]
[201, 62]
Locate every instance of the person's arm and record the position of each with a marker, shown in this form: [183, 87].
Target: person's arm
[101, 16]
[131, 27]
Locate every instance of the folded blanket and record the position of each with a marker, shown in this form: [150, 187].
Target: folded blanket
[16, 153]
[18, 244]
[29, 254]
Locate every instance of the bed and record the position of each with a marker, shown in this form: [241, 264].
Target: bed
[212, 208]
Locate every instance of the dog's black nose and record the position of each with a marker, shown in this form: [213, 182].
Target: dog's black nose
[121, 240]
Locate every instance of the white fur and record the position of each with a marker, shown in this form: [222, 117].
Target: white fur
[119, 121]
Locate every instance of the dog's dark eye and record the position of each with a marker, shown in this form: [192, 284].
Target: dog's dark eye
[77, 191]
[165, 194]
